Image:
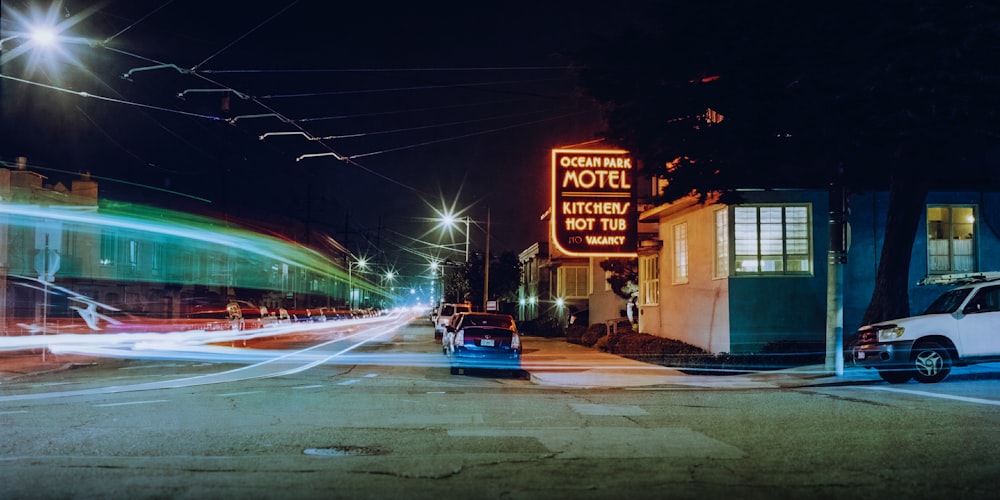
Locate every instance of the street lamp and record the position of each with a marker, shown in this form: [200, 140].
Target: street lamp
[361, 263]
[450, 221]
[43, 37]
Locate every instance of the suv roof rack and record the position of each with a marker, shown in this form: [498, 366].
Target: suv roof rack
[959, 278]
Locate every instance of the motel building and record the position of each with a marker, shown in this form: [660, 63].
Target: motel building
[592, 218]
[736, 278]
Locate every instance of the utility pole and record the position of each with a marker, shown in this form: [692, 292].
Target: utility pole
[836, 259]
[486, 263]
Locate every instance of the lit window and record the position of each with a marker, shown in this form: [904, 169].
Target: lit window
[721, 268]
[772, 240]
[649, 280]
[951, 232]
[573, 282]
[680, 274]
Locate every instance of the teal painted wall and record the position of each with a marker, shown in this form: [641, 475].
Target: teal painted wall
[765, 309]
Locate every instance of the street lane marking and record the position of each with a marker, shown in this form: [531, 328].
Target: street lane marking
[940, 396]
[12, 412]
[371, 375]
[238, 393]
[349, 382]
[308, 386]
[130, 403]
[608, 410]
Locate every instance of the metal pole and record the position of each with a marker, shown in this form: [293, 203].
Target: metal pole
[486, 263]
[467, 220]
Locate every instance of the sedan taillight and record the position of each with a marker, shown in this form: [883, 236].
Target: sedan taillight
[460, 337]
[515, 342]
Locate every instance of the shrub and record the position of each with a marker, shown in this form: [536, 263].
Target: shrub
[574, 333]
[544, 326]
[669, 352]
[593, 334]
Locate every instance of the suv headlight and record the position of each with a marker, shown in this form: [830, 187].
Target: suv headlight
[890, 334]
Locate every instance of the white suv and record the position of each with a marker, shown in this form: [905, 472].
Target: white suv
[961, 327]
[444, 317]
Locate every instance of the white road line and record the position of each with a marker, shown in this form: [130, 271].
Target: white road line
[130, 403]
[349, 382]
[308, 386]
[12, 412]
[940, 396]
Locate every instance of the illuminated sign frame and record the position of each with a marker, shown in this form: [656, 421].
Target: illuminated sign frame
[594, 203]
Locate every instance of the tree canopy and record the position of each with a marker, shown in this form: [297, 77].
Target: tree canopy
[719, 95]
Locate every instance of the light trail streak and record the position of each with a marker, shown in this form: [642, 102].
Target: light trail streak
[261, 369]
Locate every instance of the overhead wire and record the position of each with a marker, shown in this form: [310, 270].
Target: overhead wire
[200, 73]
[234, 42]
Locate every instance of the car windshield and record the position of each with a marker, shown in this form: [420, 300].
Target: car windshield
[948, 302]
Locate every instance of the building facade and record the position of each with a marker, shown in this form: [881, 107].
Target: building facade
[151, 262]
[735, 278]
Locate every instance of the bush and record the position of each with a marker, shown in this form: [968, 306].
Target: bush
[544, 326]
[593, 334]
[574, 334]
[669, 352]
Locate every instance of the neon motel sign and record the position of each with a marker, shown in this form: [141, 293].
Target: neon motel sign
[593, 203]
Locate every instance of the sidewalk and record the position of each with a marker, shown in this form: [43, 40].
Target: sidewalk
[16, 364]
[555, 362]
[549, 362]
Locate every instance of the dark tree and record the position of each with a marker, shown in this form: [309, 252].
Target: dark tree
[505, 277]
[623, 276]
[725, 94]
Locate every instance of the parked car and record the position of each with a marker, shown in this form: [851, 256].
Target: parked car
[960, 327]
[483, 340]
[445, 313]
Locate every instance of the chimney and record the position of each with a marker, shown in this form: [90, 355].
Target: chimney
[85, 189]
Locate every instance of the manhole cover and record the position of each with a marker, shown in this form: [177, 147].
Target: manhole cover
[346, 451]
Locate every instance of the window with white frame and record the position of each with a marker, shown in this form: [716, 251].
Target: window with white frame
[649, 279]
[772, 239]
[680, 274]
[573, 282]
[951, 236]
[721, 266]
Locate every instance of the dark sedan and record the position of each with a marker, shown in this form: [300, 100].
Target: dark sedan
[485, 341]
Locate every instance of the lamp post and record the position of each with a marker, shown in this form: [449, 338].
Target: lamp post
[450, 221]
[434, 269]
[361, 263]
[467, 221]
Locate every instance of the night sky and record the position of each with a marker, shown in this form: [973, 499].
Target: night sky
[437, 105]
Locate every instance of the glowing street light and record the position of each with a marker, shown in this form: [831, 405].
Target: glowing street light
[42, 30]
[361, 263]
[450, 220]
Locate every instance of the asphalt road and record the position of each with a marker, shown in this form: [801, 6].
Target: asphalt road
[384, 426]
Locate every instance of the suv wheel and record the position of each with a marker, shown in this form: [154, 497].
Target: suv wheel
[931, 361]
[895, 376]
